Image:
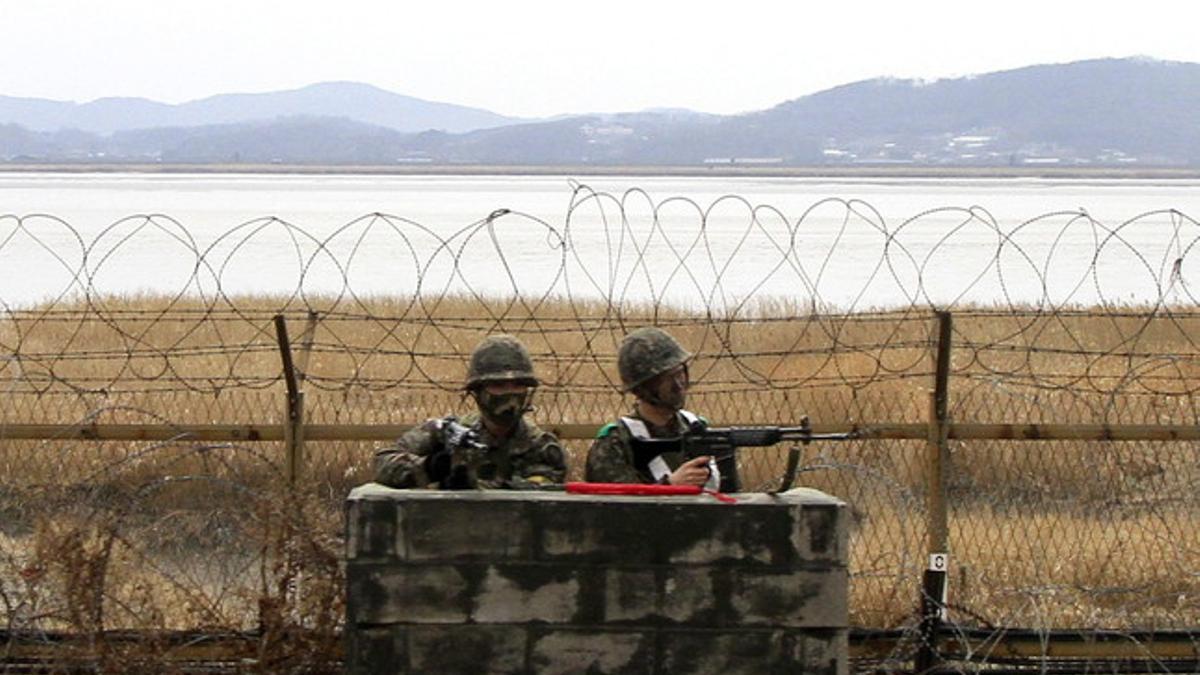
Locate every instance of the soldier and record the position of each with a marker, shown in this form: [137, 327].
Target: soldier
[493, 448]
[654, 367]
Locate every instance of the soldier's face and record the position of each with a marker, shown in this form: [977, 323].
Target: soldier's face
[503, 402]
[669, 389]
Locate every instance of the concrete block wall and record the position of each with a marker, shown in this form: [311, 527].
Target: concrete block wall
[545, 582]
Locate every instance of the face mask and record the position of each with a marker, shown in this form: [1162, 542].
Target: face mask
[502, 409]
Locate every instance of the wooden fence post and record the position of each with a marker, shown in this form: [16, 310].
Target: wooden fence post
[306, 343]
[939, 447]
[933, 580]
[293, 428]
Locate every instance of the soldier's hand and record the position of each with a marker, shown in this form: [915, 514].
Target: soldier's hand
[692, 472]
[437, 466]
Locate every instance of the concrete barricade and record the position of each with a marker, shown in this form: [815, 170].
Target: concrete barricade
[546, 582]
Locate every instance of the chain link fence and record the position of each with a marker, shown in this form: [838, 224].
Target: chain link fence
[117, 512]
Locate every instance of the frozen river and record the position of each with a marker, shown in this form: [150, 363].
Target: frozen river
[716, 242]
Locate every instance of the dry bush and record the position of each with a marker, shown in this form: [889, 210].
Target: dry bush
[1066, 534]
[178, 553]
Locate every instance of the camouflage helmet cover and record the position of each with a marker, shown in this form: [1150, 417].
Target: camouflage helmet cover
[646, 353]
[500, 358]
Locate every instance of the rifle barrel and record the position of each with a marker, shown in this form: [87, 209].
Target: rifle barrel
[806, 434]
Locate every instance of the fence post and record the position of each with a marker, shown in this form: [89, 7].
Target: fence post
[293, 428]
[306, 343]
[933, 580]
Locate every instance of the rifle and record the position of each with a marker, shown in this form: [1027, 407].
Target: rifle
[722, 443]
[439, 464]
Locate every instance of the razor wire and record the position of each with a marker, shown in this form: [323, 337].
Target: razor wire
[391, 302]
[1058, 318]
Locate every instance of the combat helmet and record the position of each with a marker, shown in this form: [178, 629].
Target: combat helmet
[646, 353]
[500, 358]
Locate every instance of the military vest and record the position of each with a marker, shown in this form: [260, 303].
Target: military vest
[659, 469]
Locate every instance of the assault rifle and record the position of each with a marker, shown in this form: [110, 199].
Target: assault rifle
[721, 443]
[439, 464]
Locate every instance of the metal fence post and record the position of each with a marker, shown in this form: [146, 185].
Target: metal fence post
[293, 428]
[933, 580]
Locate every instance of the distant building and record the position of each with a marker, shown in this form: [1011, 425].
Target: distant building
[882, 160]
[743, 160]
[971, 141]
[606, 130]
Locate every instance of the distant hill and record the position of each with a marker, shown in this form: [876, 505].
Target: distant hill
[291, 140]
[358, 102]
[1108, 112]
[1105, 112]
[1136, 107]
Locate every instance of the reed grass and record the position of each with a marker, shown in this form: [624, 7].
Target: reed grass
[1047, 535]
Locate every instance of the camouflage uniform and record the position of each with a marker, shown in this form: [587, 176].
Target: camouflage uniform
[610, 459]
[528, 458]
[645, 354]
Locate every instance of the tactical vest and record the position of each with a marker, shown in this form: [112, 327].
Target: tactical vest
[659, 469]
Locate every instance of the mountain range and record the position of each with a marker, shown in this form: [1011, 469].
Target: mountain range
[359, 102]
[1104, 112]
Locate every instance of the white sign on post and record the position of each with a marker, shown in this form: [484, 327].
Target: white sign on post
[940, 562]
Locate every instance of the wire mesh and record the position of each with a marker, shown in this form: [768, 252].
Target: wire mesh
[1058, 319]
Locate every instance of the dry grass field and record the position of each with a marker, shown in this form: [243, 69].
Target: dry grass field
[183, 534]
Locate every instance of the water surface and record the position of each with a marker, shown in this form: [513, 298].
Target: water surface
[714, 242]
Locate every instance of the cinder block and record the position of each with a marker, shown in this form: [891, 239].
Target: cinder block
[791, 598]
[729, 652]
[372, 529]
[819, 652]
[702, 534]
[820, 531]
[765, 535]
[821, 534]
[509, 582]
[662, 595]
[377, 650]
[798, 528]
[687, 595]
[525, 593]
[630, 594]
[467, 650]
[380, 594]
[466, 527]
[567, 652]
[598, 531]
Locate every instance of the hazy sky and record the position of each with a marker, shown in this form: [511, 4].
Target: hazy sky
[535, 57]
